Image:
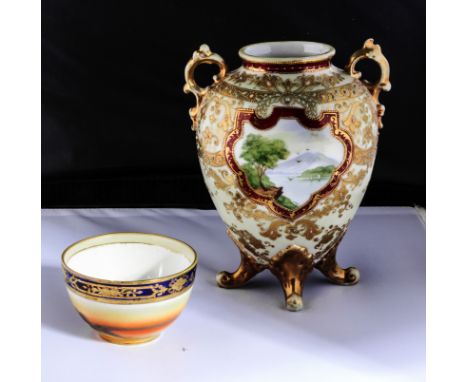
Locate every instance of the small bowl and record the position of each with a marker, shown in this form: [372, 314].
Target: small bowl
[129, 286]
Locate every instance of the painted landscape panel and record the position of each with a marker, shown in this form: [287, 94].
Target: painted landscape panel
[288, 162]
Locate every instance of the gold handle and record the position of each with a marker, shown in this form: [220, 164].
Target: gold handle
[373, 52]
[201, 56]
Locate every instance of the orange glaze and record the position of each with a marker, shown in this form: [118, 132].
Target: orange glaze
[140, 332]
[140, 325]
[105, 320]
[129, 332]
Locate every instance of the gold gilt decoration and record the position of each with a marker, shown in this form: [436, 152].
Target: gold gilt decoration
[272, 227]
[299, 91]
[241, 207]
[301, 83]
[357, 123]
[373, 52]
[201, 56]
[135, 294]
[218, 112]
[248, 243]
[302, 227]
[214, 159]
[222, 180]
[338, 201]
[332, 236]
[291, 266]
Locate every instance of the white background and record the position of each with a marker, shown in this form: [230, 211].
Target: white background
[373, 331]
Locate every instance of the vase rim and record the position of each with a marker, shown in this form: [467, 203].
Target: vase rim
[287, 52]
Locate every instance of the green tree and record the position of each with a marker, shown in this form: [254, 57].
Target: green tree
[262, 153]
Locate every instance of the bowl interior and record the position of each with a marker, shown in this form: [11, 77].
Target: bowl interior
[129, 257]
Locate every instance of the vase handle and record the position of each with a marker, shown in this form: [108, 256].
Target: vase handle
[372, 51]
[201, 56]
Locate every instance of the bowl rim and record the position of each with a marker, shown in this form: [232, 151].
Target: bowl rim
[65, 267]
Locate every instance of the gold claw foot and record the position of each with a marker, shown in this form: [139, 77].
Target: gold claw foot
[291, 267]
[331, 270]
[247, 269]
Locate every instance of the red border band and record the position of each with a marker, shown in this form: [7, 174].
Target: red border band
[287, 68]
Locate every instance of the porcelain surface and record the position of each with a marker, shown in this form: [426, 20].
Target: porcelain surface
[286, 145]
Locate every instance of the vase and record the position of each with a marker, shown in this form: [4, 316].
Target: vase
[286, 145]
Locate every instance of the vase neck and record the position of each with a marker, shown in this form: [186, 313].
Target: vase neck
[287, 67]
[287, 56]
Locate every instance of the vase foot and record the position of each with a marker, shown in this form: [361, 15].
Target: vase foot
[333, 272]
[291, 266]
[247, 269]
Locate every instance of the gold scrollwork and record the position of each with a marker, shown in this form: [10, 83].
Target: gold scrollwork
[222, 180]
[201, 56]
[302, 90]
[240, 206]
[374, 52]
[249, 244]
[331, 238]
[218, 111]
[302, 227]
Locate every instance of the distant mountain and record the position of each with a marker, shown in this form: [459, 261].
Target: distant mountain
[317, 173]
[299, 177]
[297, 165]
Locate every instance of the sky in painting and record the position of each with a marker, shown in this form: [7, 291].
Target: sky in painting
[298, 139]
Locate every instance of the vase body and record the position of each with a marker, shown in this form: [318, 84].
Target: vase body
[286, 145]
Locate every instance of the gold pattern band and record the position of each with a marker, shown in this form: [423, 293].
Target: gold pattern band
[292, 93]
[286, 67]
[127, 301]
[131, 294]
